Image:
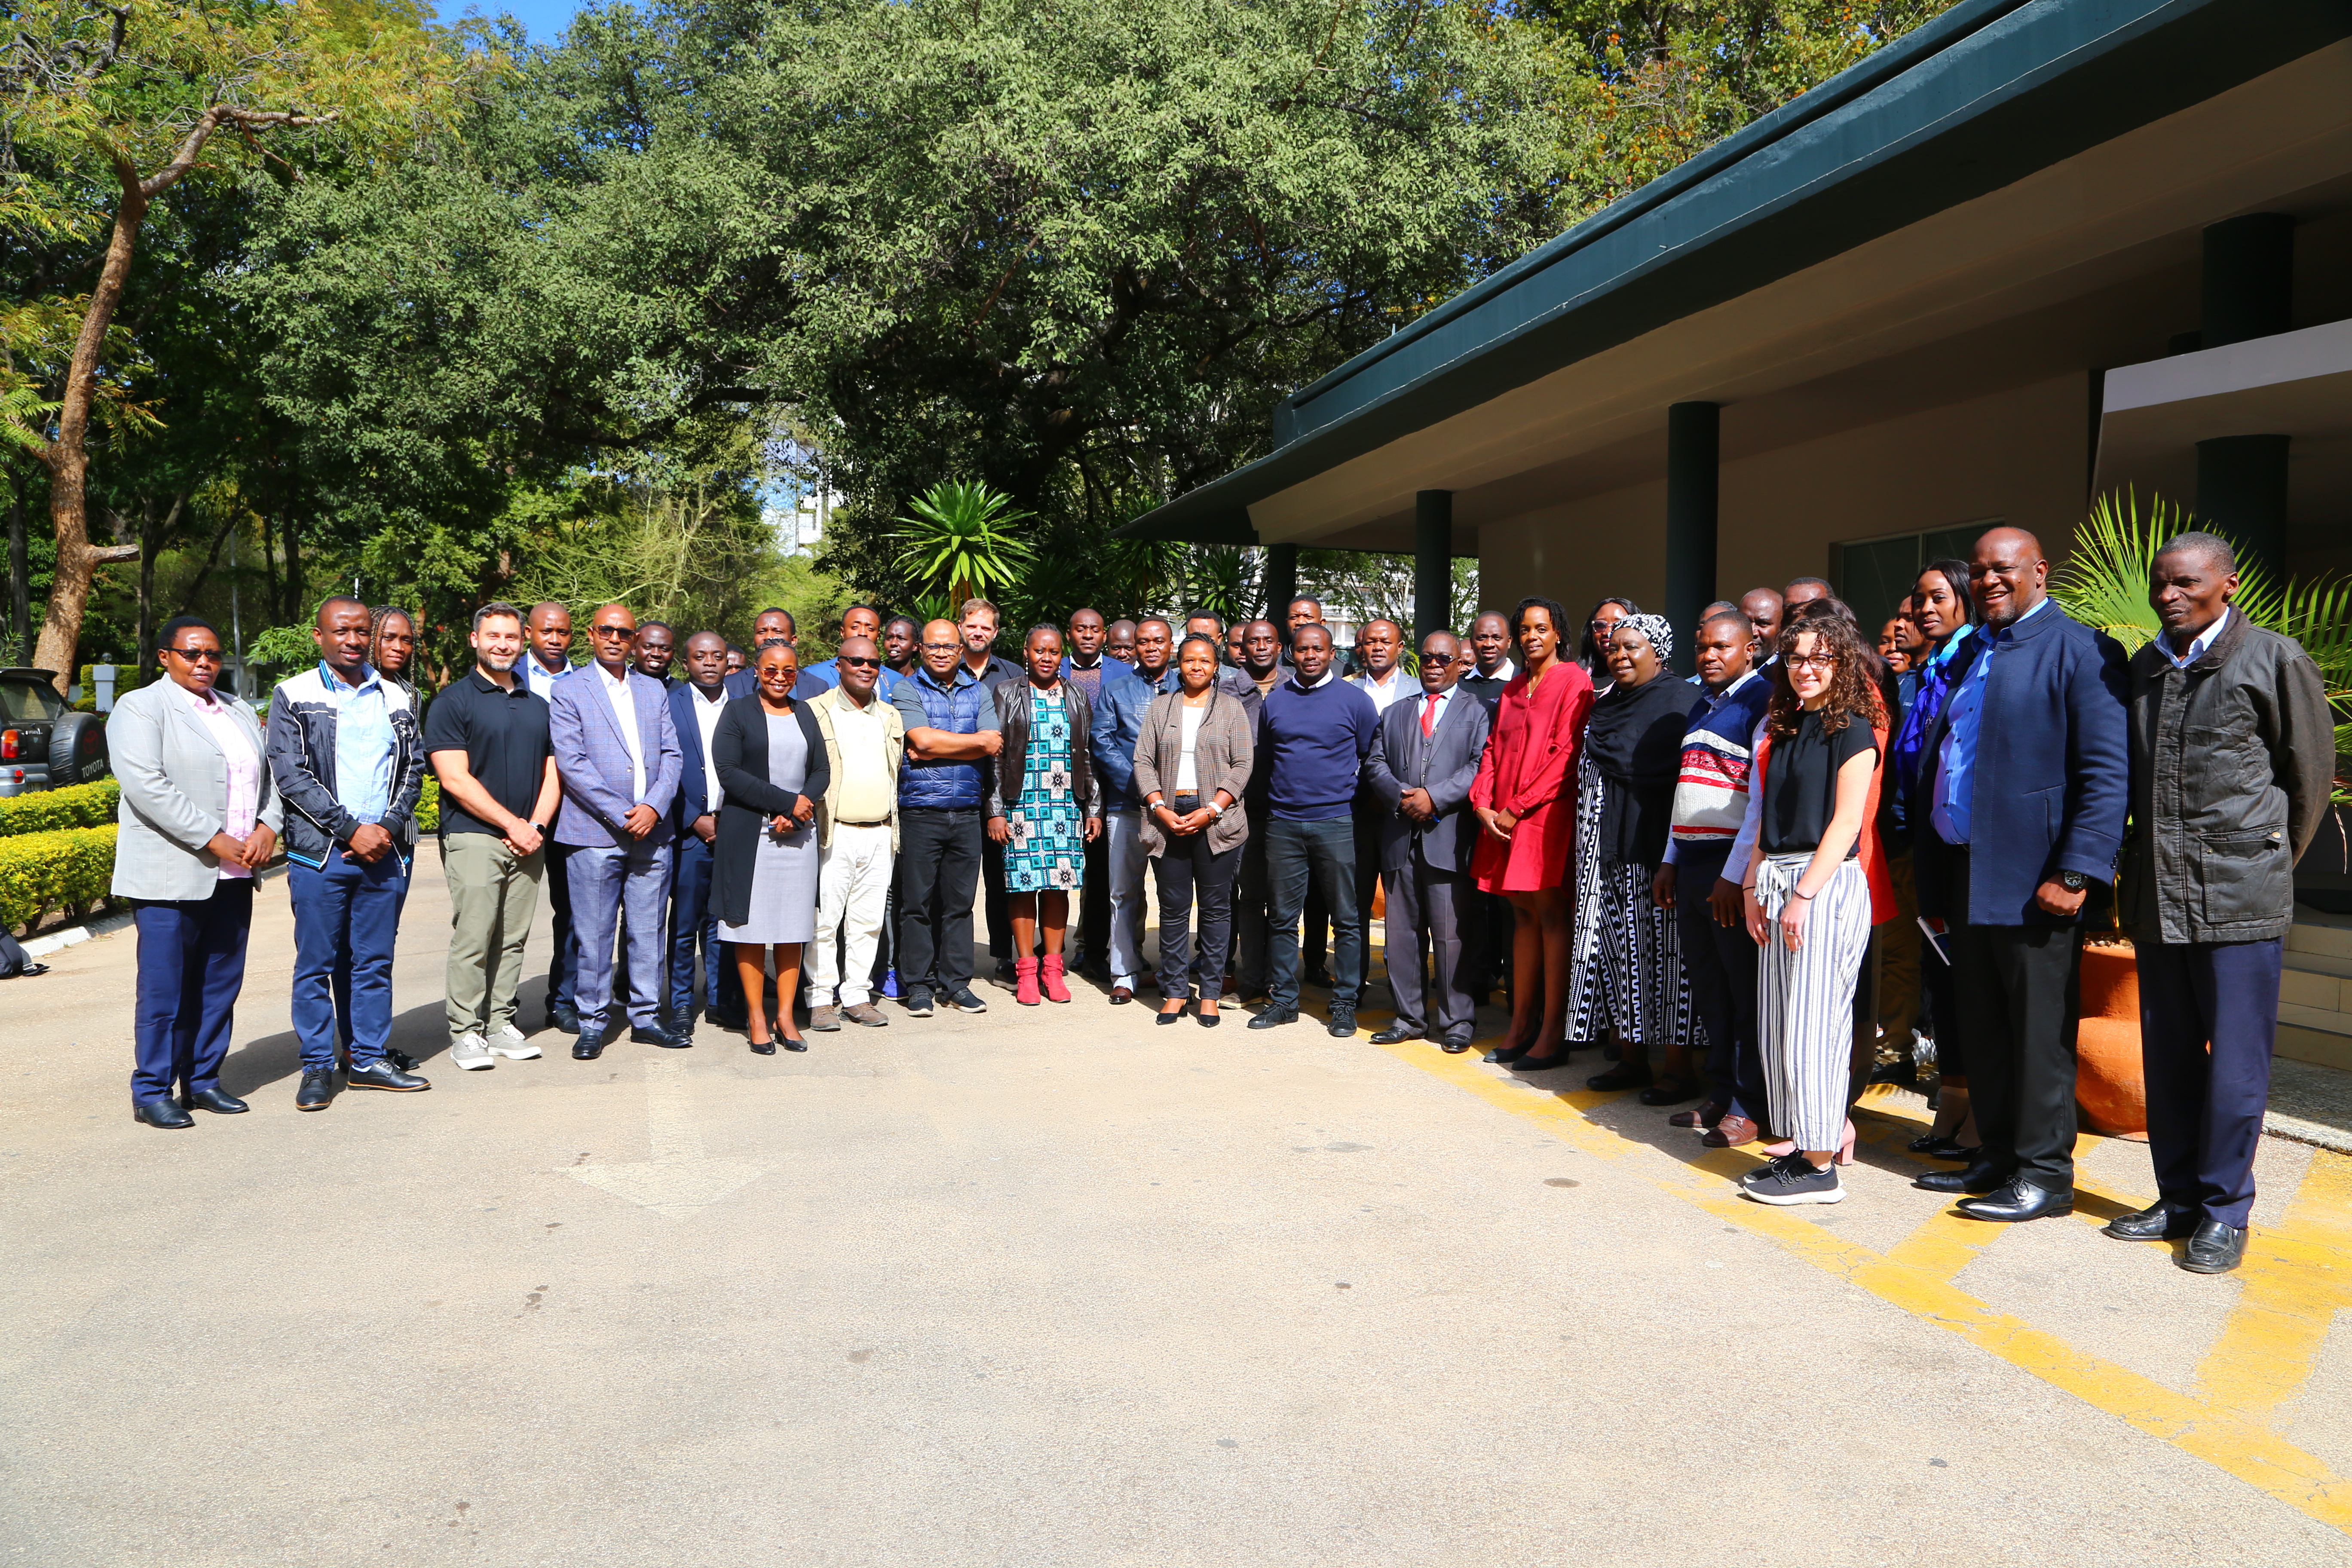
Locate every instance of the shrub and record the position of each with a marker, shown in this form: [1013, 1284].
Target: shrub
[40, 872]
[45, 811]
[428, 806]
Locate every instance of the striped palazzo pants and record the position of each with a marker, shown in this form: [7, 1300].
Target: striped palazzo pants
[1804, 1000]
[1626, 962]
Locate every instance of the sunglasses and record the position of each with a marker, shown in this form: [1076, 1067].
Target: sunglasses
[197, 655]
[610, 632]
[860, 663]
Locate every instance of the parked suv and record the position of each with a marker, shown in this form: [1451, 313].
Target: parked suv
[43, 745]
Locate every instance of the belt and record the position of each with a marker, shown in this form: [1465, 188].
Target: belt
[877, 822]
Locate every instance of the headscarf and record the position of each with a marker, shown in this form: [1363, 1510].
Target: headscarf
[1636, 741]
[1655, 628]
[1935, 685]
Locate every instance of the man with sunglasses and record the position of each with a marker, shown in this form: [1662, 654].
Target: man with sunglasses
[857, 831]
[344, 751]
[198, 815]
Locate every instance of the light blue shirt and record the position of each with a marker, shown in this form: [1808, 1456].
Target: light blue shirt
[2197, 648]
[363, 742]
[1956, 777]
[538, 677]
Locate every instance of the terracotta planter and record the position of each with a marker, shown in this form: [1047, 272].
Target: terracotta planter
[2109, 1078]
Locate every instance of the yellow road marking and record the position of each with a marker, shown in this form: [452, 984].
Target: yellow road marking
[2295, 1274]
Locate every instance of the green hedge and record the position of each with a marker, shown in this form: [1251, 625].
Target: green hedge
[45, 811]
[41, 872]
[428, 806]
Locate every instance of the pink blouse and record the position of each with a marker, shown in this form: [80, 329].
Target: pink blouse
[243, 773]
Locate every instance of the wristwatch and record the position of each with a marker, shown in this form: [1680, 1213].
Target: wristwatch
[2073, 881]
[1216, 812]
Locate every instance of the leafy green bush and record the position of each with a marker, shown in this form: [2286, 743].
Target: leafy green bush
[45, 811]
[40, 872]
[428, 806]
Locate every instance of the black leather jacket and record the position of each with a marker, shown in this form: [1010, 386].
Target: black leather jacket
[1012, 697]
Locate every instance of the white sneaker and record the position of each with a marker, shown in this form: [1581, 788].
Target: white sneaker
[507, 1042]
[472, 1052]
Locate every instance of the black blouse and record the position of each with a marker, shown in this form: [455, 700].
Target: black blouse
[1800, 784]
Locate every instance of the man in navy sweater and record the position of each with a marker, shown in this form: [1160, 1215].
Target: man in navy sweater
[1313, 735]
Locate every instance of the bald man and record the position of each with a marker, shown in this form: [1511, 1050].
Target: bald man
[617, 753]
[953, 737]
[2025, 774]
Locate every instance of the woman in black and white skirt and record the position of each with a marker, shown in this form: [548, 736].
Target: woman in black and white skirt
[771, 762]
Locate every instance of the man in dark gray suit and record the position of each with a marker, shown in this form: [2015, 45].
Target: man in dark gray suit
[1420, 770]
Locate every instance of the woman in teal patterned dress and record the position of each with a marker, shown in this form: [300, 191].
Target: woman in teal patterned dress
[1045, 807]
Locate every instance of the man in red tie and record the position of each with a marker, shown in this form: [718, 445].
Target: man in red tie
[1420, 770]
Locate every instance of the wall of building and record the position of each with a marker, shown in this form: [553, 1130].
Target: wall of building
[2020, 456]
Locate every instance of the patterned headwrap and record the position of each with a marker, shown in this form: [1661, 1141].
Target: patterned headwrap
[1655, 627]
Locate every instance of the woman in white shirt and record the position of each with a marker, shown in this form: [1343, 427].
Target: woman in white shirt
[1192, 762]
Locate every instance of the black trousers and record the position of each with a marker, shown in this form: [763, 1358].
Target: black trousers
[1721, 963]
[2207, 1020]
[938, 872]
[1094, 904]
[1184, 867]
[1252, 928]
[1000, 916]
[2019, 992]
[1368, 881]
[563, 956]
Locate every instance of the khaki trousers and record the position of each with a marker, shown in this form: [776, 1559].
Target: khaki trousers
[493, 894]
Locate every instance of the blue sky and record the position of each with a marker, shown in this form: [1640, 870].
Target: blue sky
[543, 19]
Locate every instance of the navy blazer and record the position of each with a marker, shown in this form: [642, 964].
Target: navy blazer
[2053, 772]
[693, 786]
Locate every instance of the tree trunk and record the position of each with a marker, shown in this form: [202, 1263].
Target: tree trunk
[151, 535]
[20, 572]
[295, 615]
[68, 456]
[269, 568]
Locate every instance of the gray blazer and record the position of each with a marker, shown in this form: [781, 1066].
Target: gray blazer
[1445, 765]
[175, 792]
[1221, 757]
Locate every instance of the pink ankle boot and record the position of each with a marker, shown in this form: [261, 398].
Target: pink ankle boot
[1024, 981]
[1056, 989]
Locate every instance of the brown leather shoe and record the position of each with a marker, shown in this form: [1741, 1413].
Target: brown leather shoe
[1120, 996]
[826, 1018]
[865, 1012]
[1707, 1115]
[1730, 1132]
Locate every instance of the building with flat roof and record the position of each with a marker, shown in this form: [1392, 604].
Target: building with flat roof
[2032, 251]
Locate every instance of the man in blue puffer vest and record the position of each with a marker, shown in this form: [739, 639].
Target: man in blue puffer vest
[952, 739]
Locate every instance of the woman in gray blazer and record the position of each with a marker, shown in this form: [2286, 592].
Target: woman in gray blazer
[1192, 762]
[199, 816]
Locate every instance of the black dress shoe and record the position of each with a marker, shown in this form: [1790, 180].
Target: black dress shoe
[163, 1113]
[734, 1023]
[761, 1047]
[400, 1060]
[2216, 1248]
[381, 1074]
[1454, 1044]
[668, 1040]
[585, 1049]
[2019, 1201]
[1505, 1056]
[1396, 1033]
[1526, 1063]
[1979, 1178]
[2160, 1221]
[218, 1102]
[1342, 1024]
[564, 1020]
[318, 1091]
[1275, 1017]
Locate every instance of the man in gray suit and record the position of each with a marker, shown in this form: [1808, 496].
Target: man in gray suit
[1419, 772]
[617, 754]
[198, 815]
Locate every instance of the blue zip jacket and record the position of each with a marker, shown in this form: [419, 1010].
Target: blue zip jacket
[1118, 724]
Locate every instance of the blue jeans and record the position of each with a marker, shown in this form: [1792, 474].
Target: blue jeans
[605, 879]
[191, 968]
[1322, 853]
[346, 920]
[693, 924]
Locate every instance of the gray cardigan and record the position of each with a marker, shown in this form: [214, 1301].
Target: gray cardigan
[175, 792]
[1221, 757]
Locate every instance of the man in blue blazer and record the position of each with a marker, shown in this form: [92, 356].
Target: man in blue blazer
[695, 704]
[617, 754]
[1419, 773]
[2025, 776]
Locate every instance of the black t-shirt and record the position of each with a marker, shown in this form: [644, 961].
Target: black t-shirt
[504, 736]
[1801, 783]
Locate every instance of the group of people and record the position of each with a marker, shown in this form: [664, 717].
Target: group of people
[1709, 865]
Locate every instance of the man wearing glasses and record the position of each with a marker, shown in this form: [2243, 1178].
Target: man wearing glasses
[345, 754]
[857, 829]
[198, 816]
[952, 739]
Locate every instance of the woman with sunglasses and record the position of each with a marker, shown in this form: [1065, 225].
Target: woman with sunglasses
[771, 762]
[1593, 647]
[199, 816]
[1808, 892]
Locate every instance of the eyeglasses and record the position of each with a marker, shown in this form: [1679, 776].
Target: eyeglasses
[858, 663]
[943, 648]
[1812, 661]
[197, 655]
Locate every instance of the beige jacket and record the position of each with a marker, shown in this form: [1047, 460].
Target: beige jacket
[1221, 757]
[893, 744]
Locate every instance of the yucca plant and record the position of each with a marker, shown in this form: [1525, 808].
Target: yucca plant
[959, 542]
[2105, 585]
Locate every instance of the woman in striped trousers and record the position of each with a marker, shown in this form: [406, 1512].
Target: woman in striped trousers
[1808, 900]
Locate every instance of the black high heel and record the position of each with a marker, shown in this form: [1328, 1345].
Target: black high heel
[1505, 1056]
[1207, 1020]
[761, 1047]
[792, 1044]
[1177, 1016]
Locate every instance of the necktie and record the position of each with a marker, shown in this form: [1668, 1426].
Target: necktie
[1429, 716]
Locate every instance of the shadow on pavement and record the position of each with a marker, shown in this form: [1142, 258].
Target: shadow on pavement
[423, 1032]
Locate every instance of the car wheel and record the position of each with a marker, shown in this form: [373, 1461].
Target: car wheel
[77, 749]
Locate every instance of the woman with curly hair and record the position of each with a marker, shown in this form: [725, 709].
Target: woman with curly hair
[1809, 889]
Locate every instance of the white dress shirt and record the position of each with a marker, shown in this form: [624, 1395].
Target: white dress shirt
[625, 707]
[1382, 693]
[707, 710]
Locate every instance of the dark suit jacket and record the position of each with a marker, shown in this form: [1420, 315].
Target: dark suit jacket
[2053, 772]
[693, 785]
[1445, 764]
[740, 746]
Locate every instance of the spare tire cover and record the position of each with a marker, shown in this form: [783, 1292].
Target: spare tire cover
[77, 749]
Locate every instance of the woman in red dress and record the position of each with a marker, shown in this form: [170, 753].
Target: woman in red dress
[1524, 797]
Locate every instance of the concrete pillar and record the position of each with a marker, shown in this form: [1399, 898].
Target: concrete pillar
[2241, 492]
[2248, 280]
[1433, 563]
[1281, 585]
[1694, 449]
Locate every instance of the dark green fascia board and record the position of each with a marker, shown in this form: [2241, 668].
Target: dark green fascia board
[1987, 94]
